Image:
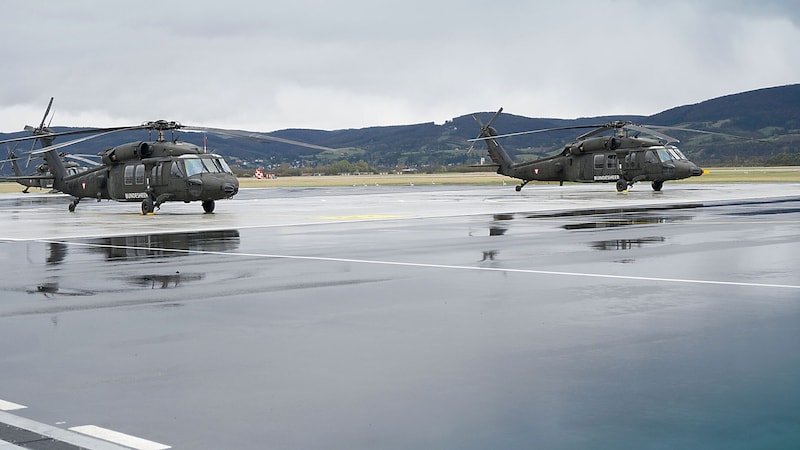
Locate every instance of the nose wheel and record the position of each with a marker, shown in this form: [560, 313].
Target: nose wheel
[208, 206]
[148, 206]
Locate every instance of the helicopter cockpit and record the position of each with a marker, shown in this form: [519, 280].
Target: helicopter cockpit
[669, 153]
[197, 164]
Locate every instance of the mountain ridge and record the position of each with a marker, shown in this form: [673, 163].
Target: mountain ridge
[771, 113]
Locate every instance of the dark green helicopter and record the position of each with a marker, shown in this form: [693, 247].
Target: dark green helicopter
[623, 157]
[41, 177]
[150, 172]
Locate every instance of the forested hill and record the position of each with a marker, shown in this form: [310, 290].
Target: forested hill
[771, 114]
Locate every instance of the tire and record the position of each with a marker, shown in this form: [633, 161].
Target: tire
[208, 206]
[147, 206]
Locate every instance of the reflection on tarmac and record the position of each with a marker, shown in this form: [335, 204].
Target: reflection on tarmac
[164, 281]
[153, 245]
[402, 318]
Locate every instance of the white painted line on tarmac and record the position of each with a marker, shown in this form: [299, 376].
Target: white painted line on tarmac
[443, 266]
[58, 434]
[10, 406]
[119, 438]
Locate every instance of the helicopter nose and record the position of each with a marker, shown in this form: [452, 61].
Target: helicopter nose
[230, 189]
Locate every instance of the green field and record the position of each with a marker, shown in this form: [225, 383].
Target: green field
[713, 175]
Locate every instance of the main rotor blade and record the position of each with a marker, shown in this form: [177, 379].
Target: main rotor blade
[545, 130]
[46, 112]
[82, 159]
[71, 133]
[252, 135]
[649, 130]
[83, 139]
[707, 132]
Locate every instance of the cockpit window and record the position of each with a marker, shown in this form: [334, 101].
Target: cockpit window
[193, 166]
[676, 153]
[209, 165]
[224, 167]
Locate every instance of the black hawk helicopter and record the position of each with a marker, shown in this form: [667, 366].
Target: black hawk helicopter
[149, 172]
[41, 177]
[623, 158]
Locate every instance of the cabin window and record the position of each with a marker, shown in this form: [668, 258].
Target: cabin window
[611, 162]
[139, 174]
[650, 157]
[599, 161]
[128, 175]
[175, 170]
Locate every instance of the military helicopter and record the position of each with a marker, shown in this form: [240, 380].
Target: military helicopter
[623, 157]
[149, 172]
[41, 177]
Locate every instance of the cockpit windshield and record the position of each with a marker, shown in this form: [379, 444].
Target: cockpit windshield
[669, 153]
[209, 164]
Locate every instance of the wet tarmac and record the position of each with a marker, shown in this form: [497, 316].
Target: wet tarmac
[408, 317]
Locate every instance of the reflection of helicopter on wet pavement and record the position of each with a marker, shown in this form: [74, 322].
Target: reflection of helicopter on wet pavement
[149, 172]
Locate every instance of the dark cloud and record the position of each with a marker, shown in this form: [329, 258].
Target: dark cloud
[354, 63]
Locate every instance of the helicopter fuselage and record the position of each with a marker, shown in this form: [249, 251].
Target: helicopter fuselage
[654, 163]
[616, 159]
[154, 173]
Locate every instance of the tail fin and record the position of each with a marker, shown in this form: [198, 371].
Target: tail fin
[496, 151]
[14, 165]
[57, 169]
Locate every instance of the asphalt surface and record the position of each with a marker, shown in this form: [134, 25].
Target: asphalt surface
[405, 317]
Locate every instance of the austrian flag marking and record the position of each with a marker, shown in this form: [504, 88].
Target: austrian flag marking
[536, 170]
[83, 185]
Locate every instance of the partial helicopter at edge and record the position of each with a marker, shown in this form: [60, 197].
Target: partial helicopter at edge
[623, 158]
[149, 172]
[41, 177]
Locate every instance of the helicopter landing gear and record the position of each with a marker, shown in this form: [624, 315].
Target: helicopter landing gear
[73, 204]
[147, 205]
[622, 185]
[521, 185]
[208, 206]
[657, 185]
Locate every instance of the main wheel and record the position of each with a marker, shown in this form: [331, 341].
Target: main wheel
[208, 206]
[147, 206]
[657, 185]
[621, 185]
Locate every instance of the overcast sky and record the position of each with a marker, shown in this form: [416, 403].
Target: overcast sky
[327, 64]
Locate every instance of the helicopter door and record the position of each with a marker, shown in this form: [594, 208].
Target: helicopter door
[605, 167]
[157, 175]
[652, 164]
[586, 169]
[133, 183]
